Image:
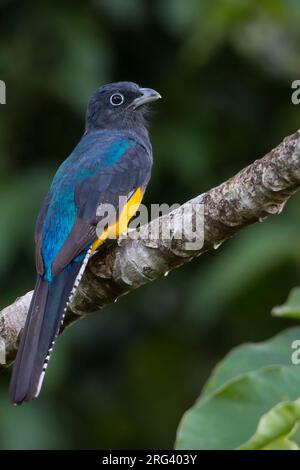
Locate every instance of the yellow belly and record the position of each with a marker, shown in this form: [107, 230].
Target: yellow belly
[120, 226]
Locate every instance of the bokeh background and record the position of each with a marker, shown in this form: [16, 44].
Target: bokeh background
[123, 377]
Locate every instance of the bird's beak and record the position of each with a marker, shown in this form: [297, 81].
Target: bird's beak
[147, 96]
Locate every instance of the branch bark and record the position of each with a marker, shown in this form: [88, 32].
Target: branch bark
[255, 193]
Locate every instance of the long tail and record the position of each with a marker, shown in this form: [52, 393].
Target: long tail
[42, 325]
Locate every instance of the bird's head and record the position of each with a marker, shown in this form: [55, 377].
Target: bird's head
[119, 106]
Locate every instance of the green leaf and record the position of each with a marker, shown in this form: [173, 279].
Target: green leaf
[228, 418]
[253, 356]
[249, 382]
[291, 308]
[275, 428]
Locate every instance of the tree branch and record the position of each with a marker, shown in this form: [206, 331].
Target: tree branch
[256, 192]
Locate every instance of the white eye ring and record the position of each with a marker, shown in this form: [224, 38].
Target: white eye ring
[116, 99]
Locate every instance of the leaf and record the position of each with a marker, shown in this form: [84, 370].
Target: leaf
[228, 418]
[248, 383]
[291, 308]
[249, 357]
[275, 428]
[282, 444]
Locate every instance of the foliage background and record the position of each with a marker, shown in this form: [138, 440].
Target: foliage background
[124, 377]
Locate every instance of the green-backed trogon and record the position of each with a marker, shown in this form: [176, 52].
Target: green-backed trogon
[112, 162]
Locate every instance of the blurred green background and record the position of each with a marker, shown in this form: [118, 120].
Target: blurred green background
[124, 377]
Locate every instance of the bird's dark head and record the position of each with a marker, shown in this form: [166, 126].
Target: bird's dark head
[119, 106]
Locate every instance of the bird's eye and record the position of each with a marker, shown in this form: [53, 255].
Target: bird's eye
[116, 99]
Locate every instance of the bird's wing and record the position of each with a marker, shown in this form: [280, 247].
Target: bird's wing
[105, 186]
[38, 234]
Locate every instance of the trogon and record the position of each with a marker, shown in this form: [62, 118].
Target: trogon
[111, 163]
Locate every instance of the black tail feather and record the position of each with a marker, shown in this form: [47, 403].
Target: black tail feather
[21, 375]
[42, 325]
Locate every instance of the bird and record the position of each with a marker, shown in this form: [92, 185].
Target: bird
[111, 162]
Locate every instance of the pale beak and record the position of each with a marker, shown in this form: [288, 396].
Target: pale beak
[147, 96]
